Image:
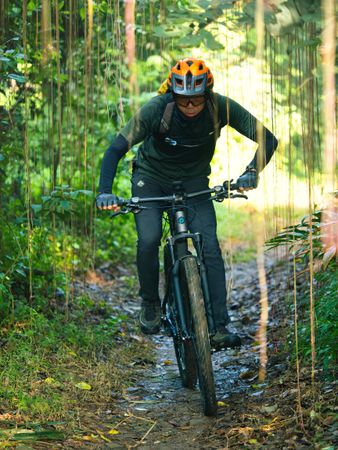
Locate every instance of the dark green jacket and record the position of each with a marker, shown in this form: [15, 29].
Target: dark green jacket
[195, 140]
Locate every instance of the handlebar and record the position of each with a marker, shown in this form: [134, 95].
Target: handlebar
[219, 193]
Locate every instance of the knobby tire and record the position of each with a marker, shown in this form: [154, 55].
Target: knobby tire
[201, 336]
[184, 349]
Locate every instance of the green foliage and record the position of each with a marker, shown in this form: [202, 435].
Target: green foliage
[305, 240]
[326, 332]
[115, 239]
[10, 59]
[61, 201]
[187, 24]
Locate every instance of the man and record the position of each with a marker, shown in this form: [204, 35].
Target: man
[179, 130]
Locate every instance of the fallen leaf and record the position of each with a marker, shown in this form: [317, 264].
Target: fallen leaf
[328, 420]
[167, 362]
[269, 409]
[84, 386]
[90, 438]
[246, 374]
[257, 386]
[49, 380]
[257, 393]
[113, 431]
[220, 403]
[136, 337]
[102, 436]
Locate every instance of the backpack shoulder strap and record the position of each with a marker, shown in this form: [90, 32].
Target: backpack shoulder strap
[212, 105]
[166, 118]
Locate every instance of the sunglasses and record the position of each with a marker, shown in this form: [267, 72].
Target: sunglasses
[195, 101]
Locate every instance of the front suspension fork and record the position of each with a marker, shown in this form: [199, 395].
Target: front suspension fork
[204, 284]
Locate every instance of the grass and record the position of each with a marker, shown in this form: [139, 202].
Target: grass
[50, 368]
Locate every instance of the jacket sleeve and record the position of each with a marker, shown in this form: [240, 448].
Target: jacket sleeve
[143, 123]
[245, 123]
[112, 156]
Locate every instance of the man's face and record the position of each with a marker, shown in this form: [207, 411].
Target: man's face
[190, 106]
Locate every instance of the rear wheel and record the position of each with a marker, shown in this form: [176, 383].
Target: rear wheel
[184, 349]
[201, 336]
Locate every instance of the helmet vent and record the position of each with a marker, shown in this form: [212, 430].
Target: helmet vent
[191, 76]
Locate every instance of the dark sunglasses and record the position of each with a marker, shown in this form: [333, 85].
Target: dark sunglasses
[195, 101]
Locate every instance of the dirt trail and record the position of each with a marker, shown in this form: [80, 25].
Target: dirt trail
[157, 413]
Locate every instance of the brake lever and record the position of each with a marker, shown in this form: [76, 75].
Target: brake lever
[130, 208]
[118, 213]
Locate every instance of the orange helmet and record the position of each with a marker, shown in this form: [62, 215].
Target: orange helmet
[190, 76]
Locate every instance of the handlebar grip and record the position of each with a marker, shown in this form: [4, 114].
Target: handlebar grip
[230, 186]
[121, 201]
[234, 186]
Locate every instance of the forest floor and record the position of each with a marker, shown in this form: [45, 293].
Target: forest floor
[155, 412]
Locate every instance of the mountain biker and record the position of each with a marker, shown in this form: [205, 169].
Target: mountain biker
[178, 131]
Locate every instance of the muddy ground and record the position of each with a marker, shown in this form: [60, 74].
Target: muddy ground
[157, 413]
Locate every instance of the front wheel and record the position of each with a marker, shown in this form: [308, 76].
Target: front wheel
[201, 336]
[184, 349]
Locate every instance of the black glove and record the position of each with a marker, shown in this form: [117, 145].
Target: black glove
[103, 200]
[248, 179]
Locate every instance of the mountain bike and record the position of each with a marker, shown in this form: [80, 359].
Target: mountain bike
[186, 307]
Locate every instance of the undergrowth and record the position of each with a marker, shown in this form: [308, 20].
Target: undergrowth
[305, 241]
[49, 366]
[326, 333]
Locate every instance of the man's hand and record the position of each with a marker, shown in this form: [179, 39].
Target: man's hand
[107, 201]
[248, 180]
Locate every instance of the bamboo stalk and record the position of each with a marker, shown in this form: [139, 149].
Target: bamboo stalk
[46, 30]
[27, 158]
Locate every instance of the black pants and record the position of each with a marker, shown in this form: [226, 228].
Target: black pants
[201, 217]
